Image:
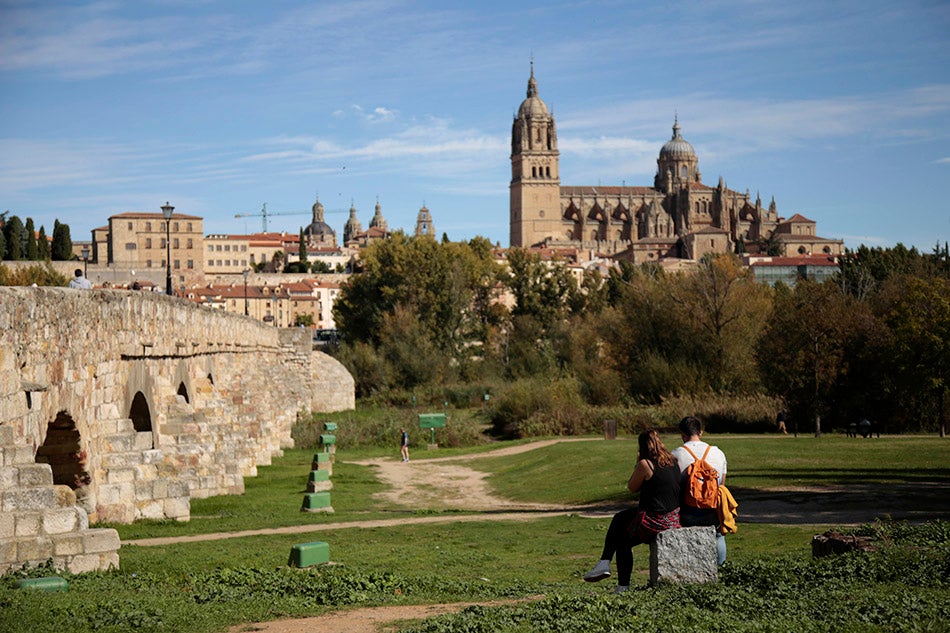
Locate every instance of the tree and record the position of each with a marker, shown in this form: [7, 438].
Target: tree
[305, 320]
[14, 235]
[31, 252]
[917, 312]
[804, 350]
[728, 308]
[62, 249]
[542, 290]
[303, 247]
[319, 266]
[42, 246]
[438, 281]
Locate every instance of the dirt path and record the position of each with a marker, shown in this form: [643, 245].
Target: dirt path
[446, 483]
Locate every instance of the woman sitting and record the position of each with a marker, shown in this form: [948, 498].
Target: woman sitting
[657, 478]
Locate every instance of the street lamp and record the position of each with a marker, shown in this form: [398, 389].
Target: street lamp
[167, 212]
[85, 259]
[246, 272]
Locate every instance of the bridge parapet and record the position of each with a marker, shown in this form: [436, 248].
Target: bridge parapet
[139, 402]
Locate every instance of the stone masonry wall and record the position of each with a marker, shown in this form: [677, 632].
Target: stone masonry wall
[138, 402]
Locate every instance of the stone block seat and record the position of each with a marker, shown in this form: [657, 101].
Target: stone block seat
[40, 521]
[684, 555]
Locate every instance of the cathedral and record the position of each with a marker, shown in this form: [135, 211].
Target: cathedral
[677, 217]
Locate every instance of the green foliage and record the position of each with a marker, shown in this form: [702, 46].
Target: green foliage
[40, 274]
[43, 246]
[32, 252]
[320, 266]
[14, 238]
[305, 320]
[62, 247]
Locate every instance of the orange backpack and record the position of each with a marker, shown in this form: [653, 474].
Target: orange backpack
[702, 483]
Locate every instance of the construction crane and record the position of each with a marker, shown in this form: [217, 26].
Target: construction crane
[264, 215]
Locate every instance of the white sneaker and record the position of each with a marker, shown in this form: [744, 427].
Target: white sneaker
[621, 588]
[600, 571]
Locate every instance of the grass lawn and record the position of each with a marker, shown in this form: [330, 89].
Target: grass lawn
[206, 586]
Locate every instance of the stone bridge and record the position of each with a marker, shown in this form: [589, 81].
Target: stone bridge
[123, 405]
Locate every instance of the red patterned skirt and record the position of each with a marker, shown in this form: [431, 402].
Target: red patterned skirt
[646, 525]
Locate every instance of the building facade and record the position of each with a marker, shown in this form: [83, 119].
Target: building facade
[135, 243]
[677, 217]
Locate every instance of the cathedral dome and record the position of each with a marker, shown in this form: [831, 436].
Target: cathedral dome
[677, 147]
[532, 106]
[318, 228]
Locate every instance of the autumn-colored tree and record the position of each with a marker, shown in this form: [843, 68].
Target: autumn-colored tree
[728, 309]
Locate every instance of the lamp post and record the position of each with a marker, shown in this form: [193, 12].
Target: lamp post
[167, 213]
[85, 260]
[246, 272]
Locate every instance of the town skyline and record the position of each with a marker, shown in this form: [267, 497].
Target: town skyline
[839, 112]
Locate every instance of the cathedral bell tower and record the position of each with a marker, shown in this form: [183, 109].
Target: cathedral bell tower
[535, 203]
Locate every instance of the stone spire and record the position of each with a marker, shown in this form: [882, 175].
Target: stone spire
[378, 220]
[352, 226]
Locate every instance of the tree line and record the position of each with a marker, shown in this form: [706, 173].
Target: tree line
[20, 241]
[872, 343]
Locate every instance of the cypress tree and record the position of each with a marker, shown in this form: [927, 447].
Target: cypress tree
[13, 232]
[303, 247]
[31, 249]
[42, 246]
[62, 244]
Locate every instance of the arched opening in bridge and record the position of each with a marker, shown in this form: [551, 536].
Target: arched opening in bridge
[183, 392]
[62, 451]
[140, 415]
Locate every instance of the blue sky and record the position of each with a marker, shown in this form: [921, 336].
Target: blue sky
[840, 110]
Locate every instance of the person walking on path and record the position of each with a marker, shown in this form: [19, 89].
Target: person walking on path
[79, 281]
[657, 478]
[404, 445]
[691, 430]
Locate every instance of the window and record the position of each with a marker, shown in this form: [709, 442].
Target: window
[175, 243]
[243, 248]
[130, 246]
[163, 242]
[683, 171]
[210, 248]
[227, 248]
[177, 264]
[191, 243]
[130, 226]
[175, 227]
[227, 262]
[218, 248]
[148, 242]
[191, 264]
[189, 227]
[210, 263]
[148, 226]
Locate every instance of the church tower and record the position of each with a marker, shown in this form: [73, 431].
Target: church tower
[424, 224]
[352, 227]
[535, 190]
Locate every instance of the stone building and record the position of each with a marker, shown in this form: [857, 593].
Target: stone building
[677, 217]
[136, 242]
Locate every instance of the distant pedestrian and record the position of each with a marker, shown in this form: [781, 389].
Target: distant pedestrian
[780, 422]
[404, 445]
[79, 281]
